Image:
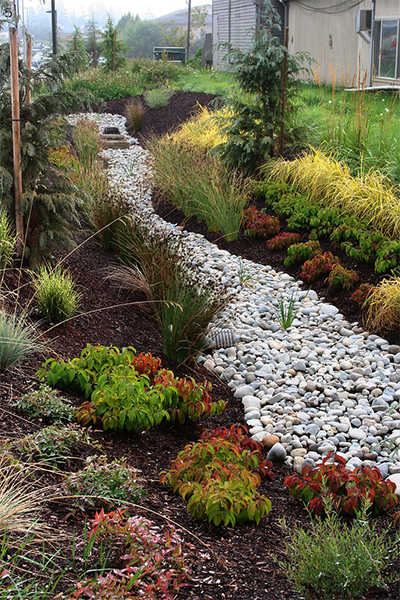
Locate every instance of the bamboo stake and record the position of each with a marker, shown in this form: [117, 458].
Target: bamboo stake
[16, 136]
[284, 76]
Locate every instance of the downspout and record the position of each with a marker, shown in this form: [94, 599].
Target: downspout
[371, 58]
[286, 14]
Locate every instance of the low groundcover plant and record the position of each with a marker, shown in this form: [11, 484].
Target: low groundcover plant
[336, 560]
[101, 484]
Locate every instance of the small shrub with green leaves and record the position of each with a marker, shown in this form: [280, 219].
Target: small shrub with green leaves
[56, 293]
[270, 191]
[347, 489]
[53, 444]
[146, 561]
[341, 278]
[158, 97]
[257, 224]
[219, 476]
[335, 560]
[8, 240]
[121, 397]
[299, 253]
[101, 484]
[45, 403]
[18, 340]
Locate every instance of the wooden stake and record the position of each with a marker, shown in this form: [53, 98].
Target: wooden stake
[29, 66]
[114, 49]
[284, 76]
[16, 135]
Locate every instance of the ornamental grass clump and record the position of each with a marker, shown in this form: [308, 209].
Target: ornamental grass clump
[55, 293]
[135, 113]
[87, 141]
[185, 302]
[20, 505]
[8, 240]
[157, 97]
[18, 340]
[203, 131]
[383, 305]
[200, 186]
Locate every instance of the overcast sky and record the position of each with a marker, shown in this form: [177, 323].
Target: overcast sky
[146, 9]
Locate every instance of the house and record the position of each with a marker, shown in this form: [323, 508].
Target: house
[351, 40]
[355, 38]
[234, 22]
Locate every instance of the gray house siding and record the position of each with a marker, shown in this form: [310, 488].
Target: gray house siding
[234, 22]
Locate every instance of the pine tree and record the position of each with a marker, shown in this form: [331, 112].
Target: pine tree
[113, 49]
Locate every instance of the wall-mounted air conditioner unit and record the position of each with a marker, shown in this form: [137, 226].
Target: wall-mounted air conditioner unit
[363, 20]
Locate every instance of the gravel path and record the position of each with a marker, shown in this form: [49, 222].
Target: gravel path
[323, 385]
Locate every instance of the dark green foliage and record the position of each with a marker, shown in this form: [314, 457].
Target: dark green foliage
[48, 201]
[113, 49]
[139, 36]
[257, 106]
[77, 45]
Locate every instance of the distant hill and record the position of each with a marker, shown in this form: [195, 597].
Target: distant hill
[180, 17]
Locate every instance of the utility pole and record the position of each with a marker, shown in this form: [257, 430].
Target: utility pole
[188, 29]
[54, 27]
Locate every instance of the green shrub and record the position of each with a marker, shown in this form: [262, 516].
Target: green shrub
[44, 403]
[101, 484]
[121, 397]
[219, 475]
[335, 560]
[158, 97]
[18, 340]
[55, 293]
[341, 278]
[298, 253]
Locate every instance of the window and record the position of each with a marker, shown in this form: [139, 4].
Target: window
[386, 49]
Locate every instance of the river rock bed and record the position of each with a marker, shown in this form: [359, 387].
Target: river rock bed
[323, 385]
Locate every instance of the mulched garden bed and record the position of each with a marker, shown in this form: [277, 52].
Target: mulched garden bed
[229, 564]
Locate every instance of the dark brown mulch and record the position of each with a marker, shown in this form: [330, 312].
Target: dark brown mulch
[230, 564]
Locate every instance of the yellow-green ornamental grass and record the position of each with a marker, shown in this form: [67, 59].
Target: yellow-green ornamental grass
[203, 131]
[383, 305]
[369, 196]
[56, 293]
